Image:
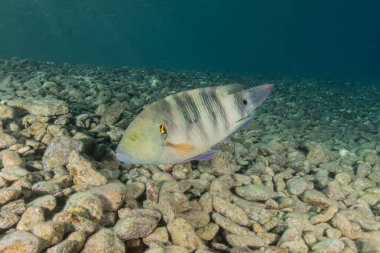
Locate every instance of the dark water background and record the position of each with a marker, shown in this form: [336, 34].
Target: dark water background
[320, 36]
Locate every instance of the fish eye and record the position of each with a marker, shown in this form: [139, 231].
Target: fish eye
[163, 130]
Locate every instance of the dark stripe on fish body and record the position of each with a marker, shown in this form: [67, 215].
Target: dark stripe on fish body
[239, 105]
[195, 112]
[165, 107]
[182, 109]
[219, 107]
[208, 106]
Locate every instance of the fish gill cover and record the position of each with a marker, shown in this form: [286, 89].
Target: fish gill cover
[303, 176]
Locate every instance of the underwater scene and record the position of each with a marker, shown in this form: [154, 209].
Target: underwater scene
[199, 126]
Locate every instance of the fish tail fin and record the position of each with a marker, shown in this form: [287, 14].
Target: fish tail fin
[256, 96]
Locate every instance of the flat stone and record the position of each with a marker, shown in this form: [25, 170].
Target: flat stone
[195, 218]
[245, 240]
[58, 151]
[8, 220]
[296, 186]
[127, 212]
[9, 194]
[21, 241]
[18, 207]
[104, 241]
[228, 225]
[110, 114]
[317, 198]
[50, 231]
[84, 171]
[48, 202]
[183, 234]
[6, 112]
[11, 158]
[160, 234]
[113, 195]
[6, 140]
[46, 187]
[31, 216]
[179, 201]
[255, 192]
[76, 222]
[85, 204]
[72, 244]
[231, 211]
[42, 107]
[328, 246]
[208, 232]
[135, 227]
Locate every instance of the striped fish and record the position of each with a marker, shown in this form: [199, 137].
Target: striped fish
[185, 126]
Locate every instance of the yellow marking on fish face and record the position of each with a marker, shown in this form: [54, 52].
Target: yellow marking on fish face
[163, 129]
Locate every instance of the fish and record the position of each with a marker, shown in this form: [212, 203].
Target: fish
[185, 126]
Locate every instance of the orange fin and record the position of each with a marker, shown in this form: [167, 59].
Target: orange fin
[182, 148]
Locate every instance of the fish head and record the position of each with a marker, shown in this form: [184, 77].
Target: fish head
[142, 142]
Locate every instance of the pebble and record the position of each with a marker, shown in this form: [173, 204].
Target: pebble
[29, 217]
[76, 222]
[46, 187]
[104, 241]
[231, 211]
[18, 207]
[50, 231]
[159, 235]
[21, 241]
[177, 200]
[228, 225]
[84, 171]
[85, 204]
[135, 227]
[109, 114]
[208, 232]
[183, 234]
[296, 186]
[255, 192]
[6, 112]
[245, 240]
[10, 159]
[8, 219]
[135, 189]
[168, 249]
[328, 246]
[196, 218]
[113, 195]
[292, 239]
[58, 152]
[9, 193]
[72, 244]
[48, 202]
[317, 198]
[6, 140]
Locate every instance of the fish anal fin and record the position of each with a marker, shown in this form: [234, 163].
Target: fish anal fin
[204, 156]
[181, 148]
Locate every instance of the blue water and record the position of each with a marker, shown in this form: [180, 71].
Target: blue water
[238, 36]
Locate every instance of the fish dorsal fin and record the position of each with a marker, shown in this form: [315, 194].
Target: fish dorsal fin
[229, 88]
[181, 148]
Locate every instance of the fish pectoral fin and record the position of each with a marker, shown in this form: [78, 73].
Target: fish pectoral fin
[181, 148]
[203, 157]
[241, 124]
